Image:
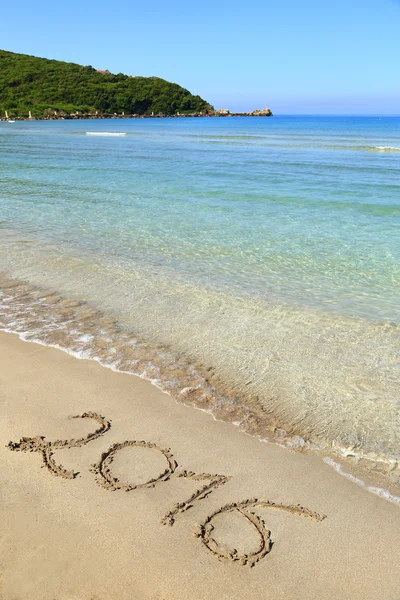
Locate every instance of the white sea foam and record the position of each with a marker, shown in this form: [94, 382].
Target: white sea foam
[385, 148]
[106, 133]
[375, 490]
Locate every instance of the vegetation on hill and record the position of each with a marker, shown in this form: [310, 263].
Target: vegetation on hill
[42, 86]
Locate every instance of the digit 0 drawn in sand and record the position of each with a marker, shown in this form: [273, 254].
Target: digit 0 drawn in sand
[199, 494]
[39, 444]
[105, 478]
[204, 531]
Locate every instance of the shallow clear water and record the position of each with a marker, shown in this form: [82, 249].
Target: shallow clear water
[258, 258]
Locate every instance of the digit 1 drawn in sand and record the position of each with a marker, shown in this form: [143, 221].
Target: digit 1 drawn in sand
[105, 478]
[204, 531]
[203, 492]
[39, 444]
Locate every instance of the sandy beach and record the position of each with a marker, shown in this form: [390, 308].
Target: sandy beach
[193, 509]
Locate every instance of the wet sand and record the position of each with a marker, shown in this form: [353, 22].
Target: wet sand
[139, 497]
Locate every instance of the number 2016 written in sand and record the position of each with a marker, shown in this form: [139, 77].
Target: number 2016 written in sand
[105, 478]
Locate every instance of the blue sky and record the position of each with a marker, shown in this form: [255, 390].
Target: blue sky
[296, 57]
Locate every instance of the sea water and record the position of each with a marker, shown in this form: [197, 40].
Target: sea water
[249, 266]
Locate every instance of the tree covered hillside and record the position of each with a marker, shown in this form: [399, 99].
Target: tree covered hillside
[39, 85]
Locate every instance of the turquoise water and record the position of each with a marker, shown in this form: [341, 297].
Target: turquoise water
[264, 251]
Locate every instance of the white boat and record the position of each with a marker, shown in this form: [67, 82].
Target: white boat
[10, 121]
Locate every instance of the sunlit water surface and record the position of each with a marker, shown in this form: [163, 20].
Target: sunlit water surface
[249, 266]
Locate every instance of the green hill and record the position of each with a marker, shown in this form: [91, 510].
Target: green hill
[39, 85]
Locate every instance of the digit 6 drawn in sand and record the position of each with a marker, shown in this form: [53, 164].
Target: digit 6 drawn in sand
[104, 478]
[204, 531]
[38, 444]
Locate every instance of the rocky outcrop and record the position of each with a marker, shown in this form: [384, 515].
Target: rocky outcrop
[265, 112]
[54, 115]
[223, 112]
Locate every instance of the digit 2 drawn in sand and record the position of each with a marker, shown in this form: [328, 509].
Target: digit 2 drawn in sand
[204, 532]
[39, 444]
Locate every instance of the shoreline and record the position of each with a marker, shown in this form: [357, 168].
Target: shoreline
[69, 538]
[85, 332]
[355, 474]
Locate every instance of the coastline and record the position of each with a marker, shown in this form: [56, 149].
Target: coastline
[75, 117]
[72, 538]
[82, 329]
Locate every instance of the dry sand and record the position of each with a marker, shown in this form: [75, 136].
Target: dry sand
[100, 535]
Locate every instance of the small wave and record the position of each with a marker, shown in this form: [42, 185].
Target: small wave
[380, 148]
[281, 438]
[359, 147]
[46, 317]
[382, 492]
[105, 133]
